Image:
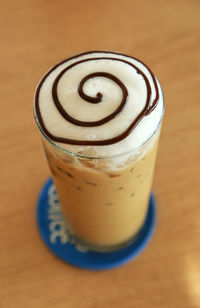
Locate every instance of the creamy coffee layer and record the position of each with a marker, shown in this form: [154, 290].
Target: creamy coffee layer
[101, 103]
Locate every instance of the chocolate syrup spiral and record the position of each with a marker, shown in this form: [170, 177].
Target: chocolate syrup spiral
[93, 100]
[148, 108]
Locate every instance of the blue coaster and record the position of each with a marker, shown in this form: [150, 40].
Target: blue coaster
[55, 233]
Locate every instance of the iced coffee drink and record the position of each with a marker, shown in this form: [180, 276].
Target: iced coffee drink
[100, 115]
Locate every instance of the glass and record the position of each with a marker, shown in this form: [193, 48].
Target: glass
[105, 207]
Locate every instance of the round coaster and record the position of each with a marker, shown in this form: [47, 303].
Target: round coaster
[55, 233]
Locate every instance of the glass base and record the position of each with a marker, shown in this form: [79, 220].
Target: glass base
[57, 237]
[110, 248]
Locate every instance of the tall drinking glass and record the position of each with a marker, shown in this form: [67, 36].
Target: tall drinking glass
[104, 198]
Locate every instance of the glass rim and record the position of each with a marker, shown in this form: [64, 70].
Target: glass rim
[57, 146]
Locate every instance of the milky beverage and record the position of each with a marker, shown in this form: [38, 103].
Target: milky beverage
[100, 115]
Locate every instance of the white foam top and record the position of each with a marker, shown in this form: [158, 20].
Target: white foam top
[78, 108]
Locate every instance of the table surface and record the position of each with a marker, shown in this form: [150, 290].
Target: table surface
[165, 35]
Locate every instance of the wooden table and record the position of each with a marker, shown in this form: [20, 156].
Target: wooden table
[166, 36]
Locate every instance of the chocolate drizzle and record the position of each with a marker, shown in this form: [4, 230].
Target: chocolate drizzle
[148, 108]
[93, 100]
